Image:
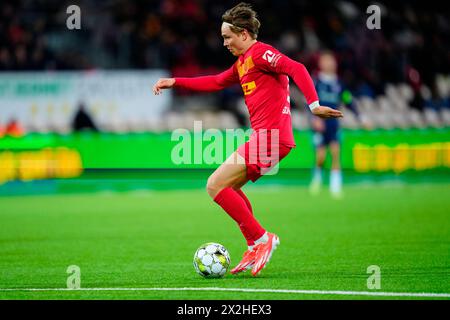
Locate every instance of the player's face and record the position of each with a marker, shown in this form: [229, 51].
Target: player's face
[327, 63]
[232, 41]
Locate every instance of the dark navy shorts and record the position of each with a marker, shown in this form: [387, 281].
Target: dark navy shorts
[330, 134]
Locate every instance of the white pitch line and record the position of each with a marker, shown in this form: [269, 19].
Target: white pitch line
[318, 292]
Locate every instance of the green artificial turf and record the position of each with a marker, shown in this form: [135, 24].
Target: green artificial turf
[146, 239]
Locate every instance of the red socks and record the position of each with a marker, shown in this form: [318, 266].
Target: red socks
[247, 202]
[238, 207]
[249, 206]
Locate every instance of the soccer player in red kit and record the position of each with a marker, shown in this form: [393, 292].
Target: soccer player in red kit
[262, 71]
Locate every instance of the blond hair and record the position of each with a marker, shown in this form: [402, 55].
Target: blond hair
[242, 17]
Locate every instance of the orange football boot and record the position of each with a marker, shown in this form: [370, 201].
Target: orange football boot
[264, 252]
[246, 263]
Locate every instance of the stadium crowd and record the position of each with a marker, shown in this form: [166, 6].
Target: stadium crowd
[183, 36]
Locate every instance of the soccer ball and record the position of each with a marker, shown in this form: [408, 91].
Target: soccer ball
[211, 260]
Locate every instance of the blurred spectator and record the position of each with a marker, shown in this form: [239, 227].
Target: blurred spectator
[436, 97]
[6, 62]
[183, 36]
[82, 120]
[14, 129]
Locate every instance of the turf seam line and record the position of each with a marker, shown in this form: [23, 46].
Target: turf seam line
[318, 292]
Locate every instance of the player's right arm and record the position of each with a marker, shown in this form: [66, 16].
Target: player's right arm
[271, 60]
[205, 83]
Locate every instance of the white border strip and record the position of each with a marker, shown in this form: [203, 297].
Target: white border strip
[318, 292]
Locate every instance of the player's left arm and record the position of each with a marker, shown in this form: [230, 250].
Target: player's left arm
[204, 83]
[274, 61]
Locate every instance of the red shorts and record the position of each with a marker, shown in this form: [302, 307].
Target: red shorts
[261, 156]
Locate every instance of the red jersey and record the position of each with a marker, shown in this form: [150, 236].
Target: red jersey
[262, 71]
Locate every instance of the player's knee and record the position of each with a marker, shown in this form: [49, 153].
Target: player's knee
[320, 162]
[212, 187]
[335, 156]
